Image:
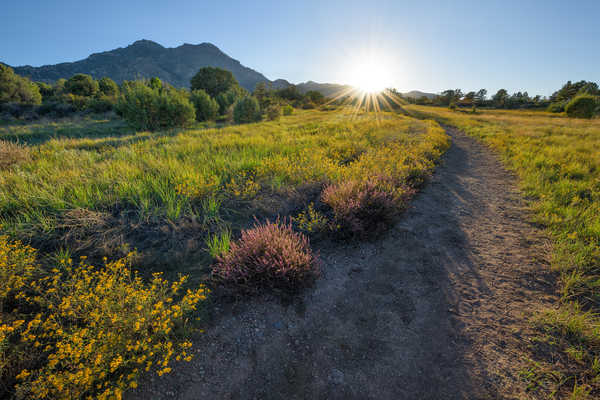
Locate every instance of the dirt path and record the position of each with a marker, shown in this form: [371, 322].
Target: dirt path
[433, 310]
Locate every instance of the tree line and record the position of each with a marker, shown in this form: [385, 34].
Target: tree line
[151, 104]
[576, 99]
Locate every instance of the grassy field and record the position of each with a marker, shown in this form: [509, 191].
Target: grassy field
[95, 190]
[558, 162]
[88, 173]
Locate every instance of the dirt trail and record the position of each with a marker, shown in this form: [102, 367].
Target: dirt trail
[434, 310]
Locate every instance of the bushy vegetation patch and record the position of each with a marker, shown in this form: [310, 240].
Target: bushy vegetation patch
[206, 107]
[558, 162]
[360, 208]
[267, 256]
[582, 106]
[246, 110]
[15, 89]
[71, 330]
[148, 108]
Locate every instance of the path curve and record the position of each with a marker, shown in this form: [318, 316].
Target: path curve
[436, 309]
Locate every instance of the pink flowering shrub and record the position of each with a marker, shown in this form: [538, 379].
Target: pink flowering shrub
[269, 255]
[360, 208]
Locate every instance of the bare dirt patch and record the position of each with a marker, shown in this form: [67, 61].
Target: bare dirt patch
[435, 309]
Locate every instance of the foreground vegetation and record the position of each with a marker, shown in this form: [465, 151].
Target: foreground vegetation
[95, 188]
[558, 162]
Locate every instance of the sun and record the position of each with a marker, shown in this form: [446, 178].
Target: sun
[369, 74]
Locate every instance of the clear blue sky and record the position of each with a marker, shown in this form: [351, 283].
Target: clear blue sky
[531, 45]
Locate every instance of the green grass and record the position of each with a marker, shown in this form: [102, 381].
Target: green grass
[103, 170]
[558, 162]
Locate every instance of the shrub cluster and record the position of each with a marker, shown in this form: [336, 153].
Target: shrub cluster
[360, 208]
[147, 108]
[206, 107]
[15, 89]
[268, 256]
[76, 331]
[246, 110]
[582, 106]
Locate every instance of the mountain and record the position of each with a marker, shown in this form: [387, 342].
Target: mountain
[326, 89]
[146, 59]
[416, 94]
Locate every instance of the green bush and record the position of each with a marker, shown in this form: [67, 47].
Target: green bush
[228, 98]
[16, 89]
[288, 110]
[47, 91]
[206, 107]
[151, 109]
[213, 81]
[557, 107]
[582, 106]
[273, 112]
[108, 87]
[81, 85]
[101, 104]
[246, 110]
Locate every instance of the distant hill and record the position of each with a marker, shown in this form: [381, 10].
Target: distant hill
[146, 59]
[416, 94]
[326, 89]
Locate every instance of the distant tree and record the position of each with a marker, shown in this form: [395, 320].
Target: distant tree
[261, 93]
[450, 96]
[207, 108]
[290, 93]
[81, 85]
[213, 81]
[569, 90]
[315, 97]
[228, 98]
[500, 98]
[46, 90]
[155, 83]
[480, 97]
[246, 110]
[17, 89]
[108, 87]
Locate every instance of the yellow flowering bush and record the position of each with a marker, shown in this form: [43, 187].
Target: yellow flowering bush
[77, 331]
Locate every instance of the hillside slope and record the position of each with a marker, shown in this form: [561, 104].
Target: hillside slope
[145, 59]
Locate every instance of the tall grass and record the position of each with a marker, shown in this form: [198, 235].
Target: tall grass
[558, 162]
[184, 173]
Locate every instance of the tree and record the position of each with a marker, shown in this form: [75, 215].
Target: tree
[246, 110]
[81, 85]
[155, 83]
[207, 108]
[570, 90]
[108, 87]
[228, 98]
[500, 98]
[480, 97]
[213, 81]
[315, 97]
[17, 89]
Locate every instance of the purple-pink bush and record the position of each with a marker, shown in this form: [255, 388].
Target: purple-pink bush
[360, 208]
[269, 255]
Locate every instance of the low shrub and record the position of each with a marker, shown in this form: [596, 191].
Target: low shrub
[288, 110]
[360, 209]
[268, 256]
[246, 110]
[81, 85]
[151, 109]
[273, 112]
[582, 106]
[75, 331]
[206, 107]
[556, 107]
